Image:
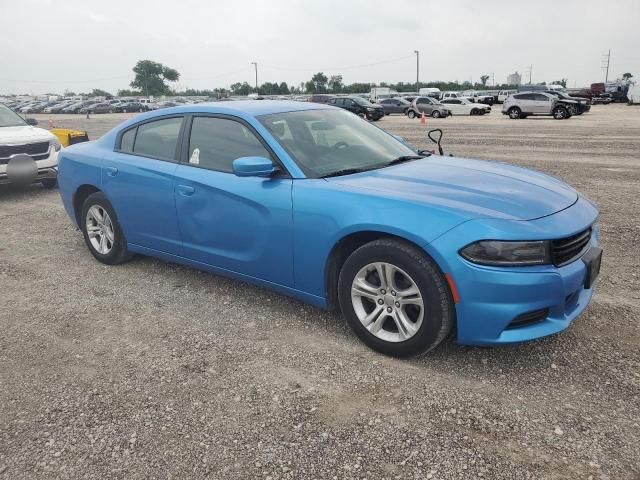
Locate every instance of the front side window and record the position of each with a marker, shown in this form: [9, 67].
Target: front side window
[158, 139]
[216, 142]
[324, 142]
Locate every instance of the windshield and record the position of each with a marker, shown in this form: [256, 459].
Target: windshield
[324, 142]
[361, 101]
[8, 118]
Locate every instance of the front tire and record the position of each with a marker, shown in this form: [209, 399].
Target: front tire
[395, 298]
[435, 114]
[49, 183]
[560, 113]
[514, 113]
[101, 230]
[411, 114]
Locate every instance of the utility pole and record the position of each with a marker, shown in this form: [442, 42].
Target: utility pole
[493, 79]
[607, 58]
[417, 52]
[256, 67]
[530, 71]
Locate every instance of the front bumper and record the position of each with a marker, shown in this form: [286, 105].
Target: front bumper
[491, 298]
[47, 168]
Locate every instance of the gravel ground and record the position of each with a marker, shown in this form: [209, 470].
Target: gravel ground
[152, 370]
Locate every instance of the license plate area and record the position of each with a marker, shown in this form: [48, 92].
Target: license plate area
[592, 260]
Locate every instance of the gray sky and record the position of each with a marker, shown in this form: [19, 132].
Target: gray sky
[49, 46]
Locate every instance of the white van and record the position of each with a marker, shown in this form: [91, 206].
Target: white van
[429, 92]
[503, 94]
[444, 95]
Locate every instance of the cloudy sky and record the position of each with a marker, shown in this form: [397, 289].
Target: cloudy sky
[50, 46]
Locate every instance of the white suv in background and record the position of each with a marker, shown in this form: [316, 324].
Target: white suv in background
[27, 154]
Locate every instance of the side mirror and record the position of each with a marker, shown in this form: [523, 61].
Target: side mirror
[31, 121]
[254, 167]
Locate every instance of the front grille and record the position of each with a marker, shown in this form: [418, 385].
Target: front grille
[566, 250]
[33, 149]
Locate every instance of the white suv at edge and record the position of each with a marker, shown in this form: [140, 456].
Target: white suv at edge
[27, 154]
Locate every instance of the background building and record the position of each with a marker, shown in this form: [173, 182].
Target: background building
[514, 79]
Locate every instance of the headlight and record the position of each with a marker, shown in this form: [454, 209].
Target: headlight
[55, 144]
[501, 253]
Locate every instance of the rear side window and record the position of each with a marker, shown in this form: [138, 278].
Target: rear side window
[216, 142]
[158, 139]
[126, 142]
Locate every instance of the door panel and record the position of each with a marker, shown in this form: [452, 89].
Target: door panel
[141, 192]
[243, 224]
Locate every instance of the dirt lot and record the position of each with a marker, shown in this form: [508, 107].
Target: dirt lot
[152, 370]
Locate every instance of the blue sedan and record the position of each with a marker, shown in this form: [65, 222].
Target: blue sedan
[316, 203]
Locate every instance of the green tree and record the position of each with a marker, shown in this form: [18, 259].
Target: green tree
[335, 83]
[484, 79]
[125, 92]
[317, 84]
[627, 76]
[562, 82]
[240, 88]
[96, 92]
[151, 77]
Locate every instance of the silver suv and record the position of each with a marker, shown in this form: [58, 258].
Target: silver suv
[521, 105]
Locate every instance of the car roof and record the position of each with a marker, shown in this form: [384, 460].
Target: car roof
[247, 107]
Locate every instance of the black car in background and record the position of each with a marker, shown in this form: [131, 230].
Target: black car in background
[395, 105]
[132, 106]
[359, 106]
[583, 105]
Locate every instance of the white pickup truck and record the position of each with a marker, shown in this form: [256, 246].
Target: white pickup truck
[27, 154]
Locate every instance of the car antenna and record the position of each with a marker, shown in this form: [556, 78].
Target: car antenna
[436, 141]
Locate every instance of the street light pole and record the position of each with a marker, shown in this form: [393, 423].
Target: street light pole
[256, 67]
[417, 52]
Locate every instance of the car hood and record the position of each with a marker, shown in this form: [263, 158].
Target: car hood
[23, 134]
[474, 188]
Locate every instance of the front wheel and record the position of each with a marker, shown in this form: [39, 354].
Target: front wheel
[474, 111]
[49, 183]
[101, 230]
[411, 114]
[395, 298]
[560, 113]
[435, 114]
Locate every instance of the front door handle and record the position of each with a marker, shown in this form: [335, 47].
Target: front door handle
[111, 171]
[186, 190]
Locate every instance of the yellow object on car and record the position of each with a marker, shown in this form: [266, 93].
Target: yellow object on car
[68, 136]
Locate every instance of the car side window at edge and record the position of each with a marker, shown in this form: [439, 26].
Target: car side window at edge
[158, 138]
[214, 143]
[126, 140]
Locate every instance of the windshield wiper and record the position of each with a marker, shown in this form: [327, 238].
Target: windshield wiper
[405, 158]
[345, 171]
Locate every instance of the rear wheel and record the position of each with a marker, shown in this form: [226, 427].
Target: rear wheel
[101, 230]
[435, 114]
[514, 113]
[411, 114]
[395, 298]
[49, 183]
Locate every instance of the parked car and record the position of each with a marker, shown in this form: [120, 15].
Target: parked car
[27, 154]
[521, 105]
[634, 93]
[320, 98]
[429, 106]
[133, 106]
[395, 105]
[313, 202]
[504, 94]
[581, 106]
[57, 108]
[103, 107]
[462, 106]
[360, 106]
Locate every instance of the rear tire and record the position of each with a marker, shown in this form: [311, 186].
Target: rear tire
[49, 183]
[411, 114]
[115, 245]
[514, 113]
[425, 314]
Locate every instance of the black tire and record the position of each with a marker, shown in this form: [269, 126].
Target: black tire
[439, 316]
[411, 114]
[435, 114]
[118, 253]
[560, 113]
[49, 183]
[474, 111]
[514, 113]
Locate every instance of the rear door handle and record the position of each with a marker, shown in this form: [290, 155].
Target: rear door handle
[186, 190]
[111, 171]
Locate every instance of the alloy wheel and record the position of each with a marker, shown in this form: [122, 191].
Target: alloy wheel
[100, 229]
[387, 301]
